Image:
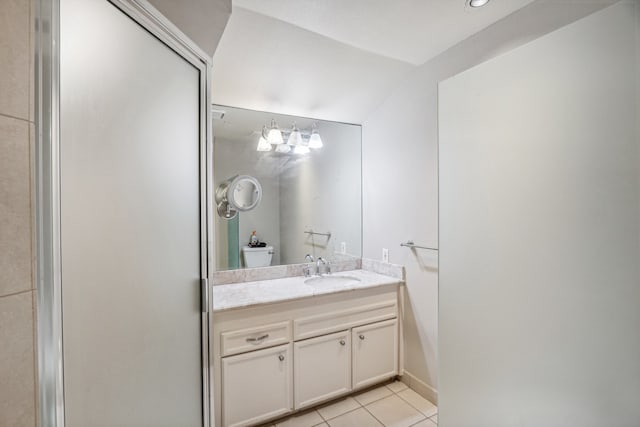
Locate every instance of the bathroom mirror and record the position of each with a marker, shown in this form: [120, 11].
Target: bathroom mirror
[295, 181]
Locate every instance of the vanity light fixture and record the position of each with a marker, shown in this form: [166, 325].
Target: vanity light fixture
[477, 3]
[295, 137]
[263, 145]
[314, 140]
[283, 148]
[297, 141]
[274, 136]
[301, 149]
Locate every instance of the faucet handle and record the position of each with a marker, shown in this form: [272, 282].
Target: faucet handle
[306, 270]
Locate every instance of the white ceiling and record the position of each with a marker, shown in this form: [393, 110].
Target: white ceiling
[335, 59]
[266, 64]
[412, 31]
[202, 20]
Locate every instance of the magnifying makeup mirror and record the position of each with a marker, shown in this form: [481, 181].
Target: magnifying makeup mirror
[240, 193]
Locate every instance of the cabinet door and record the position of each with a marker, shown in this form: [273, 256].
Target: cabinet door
[322, 368]
[375, 352]
[256, 386]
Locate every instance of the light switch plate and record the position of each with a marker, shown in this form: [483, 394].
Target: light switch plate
[385, 255]
[343, 248]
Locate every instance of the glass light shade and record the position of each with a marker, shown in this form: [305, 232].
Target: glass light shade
[295, 138]
[301, 149]
[263, 145]
[478, 3]
[275, 136]
[315, 141]
[283, 148]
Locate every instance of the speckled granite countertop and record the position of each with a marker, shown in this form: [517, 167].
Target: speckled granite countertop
[249, 294]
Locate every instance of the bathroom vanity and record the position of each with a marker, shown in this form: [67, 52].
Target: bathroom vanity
[288, 344]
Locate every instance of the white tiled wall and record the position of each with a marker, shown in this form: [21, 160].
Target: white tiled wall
[17, 288]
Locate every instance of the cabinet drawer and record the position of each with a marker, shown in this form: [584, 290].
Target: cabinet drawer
[242, 340]
[339, 320]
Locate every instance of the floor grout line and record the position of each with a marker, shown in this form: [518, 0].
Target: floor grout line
[322, 423]
[394, 393]
[374, 417]
[418, 422]
[9, 116]
[12, 294]
[409, 403]
[326, 420]
[377, 400]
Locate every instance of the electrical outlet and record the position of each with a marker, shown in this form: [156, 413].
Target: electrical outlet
[343, 248]
[385, 255]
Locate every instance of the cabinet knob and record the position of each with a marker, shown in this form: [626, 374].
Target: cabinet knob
[362, 337]
[281, 358]
[342, 342]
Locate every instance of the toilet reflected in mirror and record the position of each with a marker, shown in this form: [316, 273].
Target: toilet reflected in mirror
[257, 257]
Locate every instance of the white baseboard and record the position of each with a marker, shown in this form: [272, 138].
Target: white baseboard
[420, 387]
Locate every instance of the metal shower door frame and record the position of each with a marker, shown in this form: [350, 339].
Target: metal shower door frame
[47, 197]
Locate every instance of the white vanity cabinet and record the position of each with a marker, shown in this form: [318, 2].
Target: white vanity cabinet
[275, 358]
[257, 386]
[322, 368]
[375, 352]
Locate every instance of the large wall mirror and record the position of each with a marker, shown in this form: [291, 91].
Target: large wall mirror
[309, 176]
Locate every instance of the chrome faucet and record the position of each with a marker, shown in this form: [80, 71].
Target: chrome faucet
[322, 261]
[307, 269]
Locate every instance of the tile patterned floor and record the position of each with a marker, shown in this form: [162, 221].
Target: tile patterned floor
[391, 405]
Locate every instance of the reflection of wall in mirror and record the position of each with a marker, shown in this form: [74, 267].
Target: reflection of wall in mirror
[237, 158]
[323, 193]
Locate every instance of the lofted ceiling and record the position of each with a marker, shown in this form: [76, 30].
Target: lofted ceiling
[335, 59]
[412, 31]
[202, 20]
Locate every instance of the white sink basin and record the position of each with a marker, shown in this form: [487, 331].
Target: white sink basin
[331, 280]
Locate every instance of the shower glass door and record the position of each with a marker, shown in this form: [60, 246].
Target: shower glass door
[131, 229]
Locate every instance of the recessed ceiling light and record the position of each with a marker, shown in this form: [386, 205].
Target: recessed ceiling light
[478, 3]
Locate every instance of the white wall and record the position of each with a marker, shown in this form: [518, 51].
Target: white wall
[241, 158]
[540, 231]
[400, 169]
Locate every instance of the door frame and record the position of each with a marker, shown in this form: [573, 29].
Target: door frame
[47, 194]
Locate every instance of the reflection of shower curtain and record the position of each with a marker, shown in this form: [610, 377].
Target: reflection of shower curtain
[233, 242]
